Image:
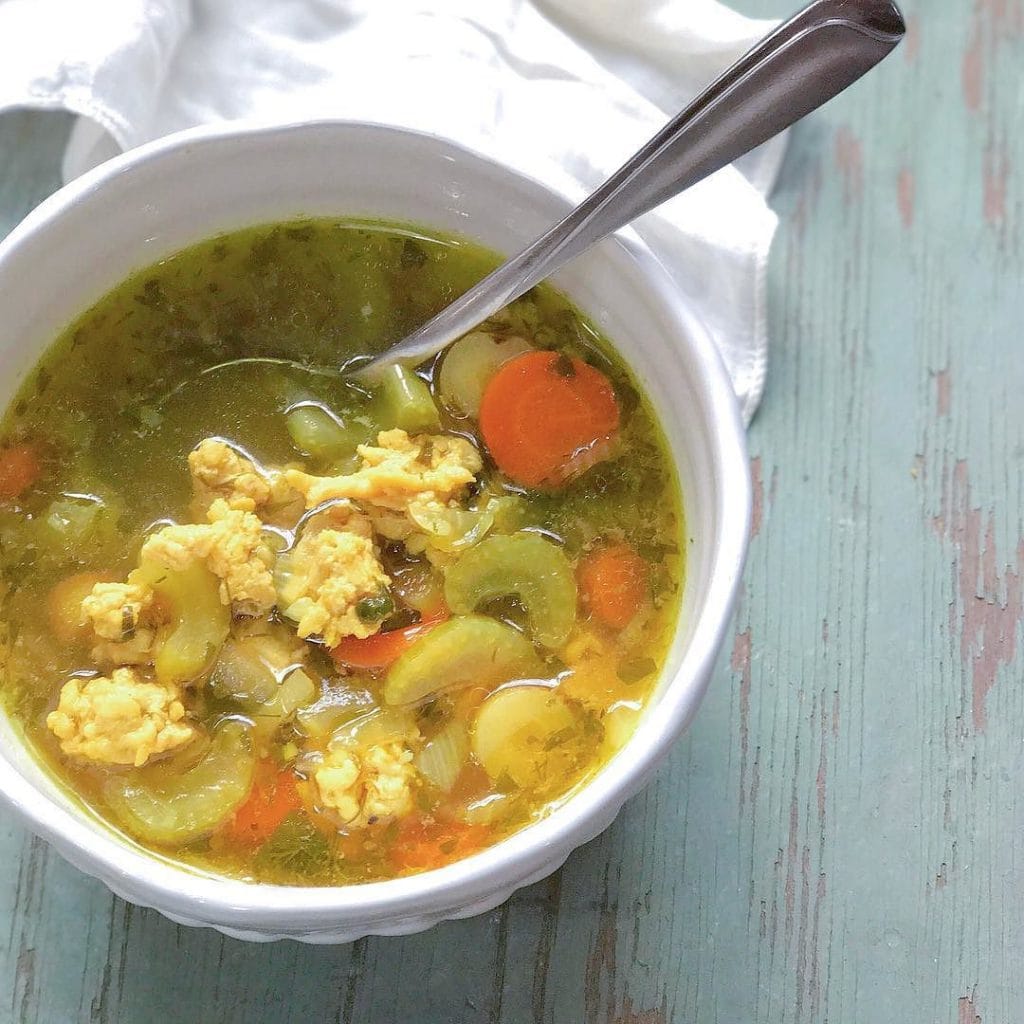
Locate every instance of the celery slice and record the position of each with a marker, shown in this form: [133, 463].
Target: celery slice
[471, 649]
[525, 566]
[404, 401]
[528, 734]
[199, 620]
[160, 804]
[469, 365]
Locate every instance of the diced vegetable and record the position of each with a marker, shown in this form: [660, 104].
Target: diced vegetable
[289, 582]
[378, 726]
[417, 583]
[469, 365]
[318, 433]
[614, 581]
[272, 798]
[526, 733]
[160, 805]
[404, 401]
[78, 519]
[423, 843]
[443, 757]
[546, 418]
[509, 511]
[337, 705]
[526, 566]
[382, 649]
[297, 689]
[20, 467]
[471, 649]
[452, 529]
[619, 722]
[64, 606]
[262, 676]
[199, 622]
[633, 669]
[242, 674]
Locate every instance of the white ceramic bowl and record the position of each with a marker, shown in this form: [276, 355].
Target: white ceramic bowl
[151, 202]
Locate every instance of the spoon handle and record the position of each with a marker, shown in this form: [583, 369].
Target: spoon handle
[795, 69]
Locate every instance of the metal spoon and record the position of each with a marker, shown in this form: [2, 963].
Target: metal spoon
[795, 69]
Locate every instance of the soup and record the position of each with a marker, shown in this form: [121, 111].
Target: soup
[290, 628]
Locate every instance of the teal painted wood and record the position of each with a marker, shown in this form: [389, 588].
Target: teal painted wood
[840, 837]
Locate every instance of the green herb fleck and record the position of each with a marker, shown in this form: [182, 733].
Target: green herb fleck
[152, 294]
[412, 255]
[296, 846]
[563, 366]
[373, 609]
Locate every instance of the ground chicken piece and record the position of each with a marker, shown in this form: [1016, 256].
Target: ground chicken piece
[232, 545]
[116, 609]
[136, 651]
[119, 614]
[285, 505]
[120, 720]
[340, 516]
[328, 573]
[369, 787]
[218, 471]
[399, 470]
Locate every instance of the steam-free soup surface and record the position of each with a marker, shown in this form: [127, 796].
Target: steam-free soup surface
[291, 629]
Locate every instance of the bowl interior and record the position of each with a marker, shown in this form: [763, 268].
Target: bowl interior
[93, 234]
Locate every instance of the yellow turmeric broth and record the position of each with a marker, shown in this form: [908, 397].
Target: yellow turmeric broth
[287, 628]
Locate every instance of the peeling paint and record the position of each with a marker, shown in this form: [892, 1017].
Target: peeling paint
[757, 501]
[807, 200]
[849, 155]
[967, 1012]
[912, 39]
[600, 967]
[986, 612]
[905, 189]
[995, 174]
[814, 986]
[971, 71]
[630, 1015]
[821, 778]
[741, 664]
[803, 953]
[791, 848]
[943, 386]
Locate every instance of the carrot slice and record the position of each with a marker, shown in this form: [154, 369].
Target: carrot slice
[424, 843]
[613, 581]
[273, 797]
[19, 469]
[382, 649]
[545, 418]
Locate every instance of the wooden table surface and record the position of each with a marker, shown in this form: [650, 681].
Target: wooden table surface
[840, 836]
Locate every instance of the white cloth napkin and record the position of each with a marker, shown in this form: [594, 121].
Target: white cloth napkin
[560, 89]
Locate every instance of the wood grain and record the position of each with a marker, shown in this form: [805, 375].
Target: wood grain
[840, 837]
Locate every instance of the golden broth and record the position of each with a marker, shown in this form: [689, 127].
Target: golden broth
[227, 339]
